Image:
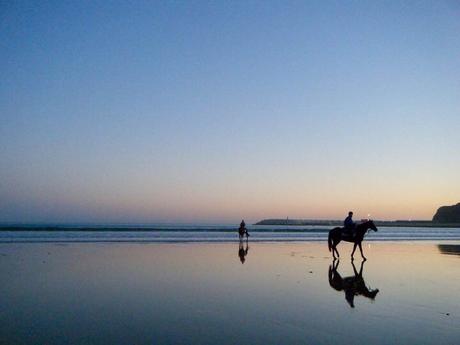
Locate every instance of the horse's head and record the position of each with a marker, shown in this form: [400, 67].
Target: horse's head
[374, 293]
[371, 225]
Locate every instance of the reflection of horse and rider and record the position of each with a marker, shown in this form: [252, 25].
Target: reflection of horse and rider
[353, 285]
[243, 250]
[351, 232]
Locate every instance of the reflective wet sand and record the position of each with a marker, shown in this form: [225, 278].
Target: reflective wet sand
[226, 293]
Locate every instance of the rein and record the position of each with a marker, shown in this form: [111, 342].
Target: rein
[367, 231]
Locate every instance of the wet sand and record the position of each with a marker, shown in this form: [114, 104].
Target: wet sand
[266, 293]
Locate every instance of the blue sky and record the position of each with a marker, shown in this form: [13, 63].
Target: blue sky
[214, 111]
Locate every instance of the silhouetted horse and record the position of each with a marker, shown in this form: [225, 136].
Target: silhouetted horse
[243, 231]
[242, 252]
[336, 235]
[352, 286]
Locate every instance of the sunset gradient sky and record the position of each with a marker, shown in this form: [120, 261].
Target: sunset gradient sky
[138, 112]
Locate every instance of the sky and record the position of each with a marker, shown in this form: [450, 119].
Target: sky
[197, 111]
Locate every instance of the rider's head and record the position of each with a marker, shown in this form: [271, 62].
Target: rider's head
[350, 214]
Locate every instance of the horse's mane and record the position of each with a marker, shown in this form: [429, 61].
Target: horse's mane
[367, 222]
[365, 225]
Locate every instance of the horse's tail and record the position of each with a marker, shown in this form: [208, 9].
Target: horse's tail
[329, 240]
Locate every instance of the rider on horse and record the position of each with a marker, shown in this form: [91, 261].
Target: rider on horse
[349, 225]
[338, 234]
[243, 230]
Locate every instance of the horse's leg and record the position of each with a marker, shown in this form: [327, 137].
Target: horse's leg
[361, 270]
[336, 265]
[335, 247]
[361, 249]
[353, 252]
[335, 241]
[354, 268]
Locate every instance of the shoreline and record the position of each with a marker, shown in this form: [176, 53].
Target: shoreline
[454, 241]
[214, 234]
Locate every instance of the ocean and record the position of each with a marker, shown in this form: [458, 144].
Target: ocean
[171, 233]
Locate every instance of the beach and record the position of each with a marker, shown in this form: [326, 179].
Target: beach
[177, 172]
[227, 293]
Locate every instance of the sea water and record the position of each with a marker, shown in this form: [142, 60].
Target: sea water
[208, 233]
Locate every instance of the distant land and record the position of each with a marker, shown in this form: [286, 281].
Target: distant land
[447, 214]
[396, 223]
[445, 217]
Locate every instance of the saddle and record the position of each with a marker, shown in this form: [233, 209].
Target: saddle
[348, 234]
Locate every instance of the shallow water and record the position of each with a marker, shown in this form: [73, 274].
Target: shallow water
[151, 293]
[216, 233]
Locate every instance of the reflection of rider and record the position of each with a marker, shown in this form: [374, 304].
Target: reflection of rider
[349, 224]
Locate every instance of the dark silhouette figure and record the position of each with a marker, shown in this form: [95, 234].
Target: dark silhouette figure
[243, 251]
[243, 230]
[349, 225]
[352, 286]
[338, 234]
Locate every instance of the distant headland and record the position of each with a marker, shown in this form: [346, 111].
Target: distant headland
[447, 214]
[446, 217]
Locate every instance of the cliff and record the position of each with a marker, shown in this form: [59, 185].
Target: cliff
[447, 214]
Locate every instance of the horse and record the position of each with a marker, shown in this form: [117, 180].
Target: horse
[352, 286]
[241, 232]
[336, 235]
